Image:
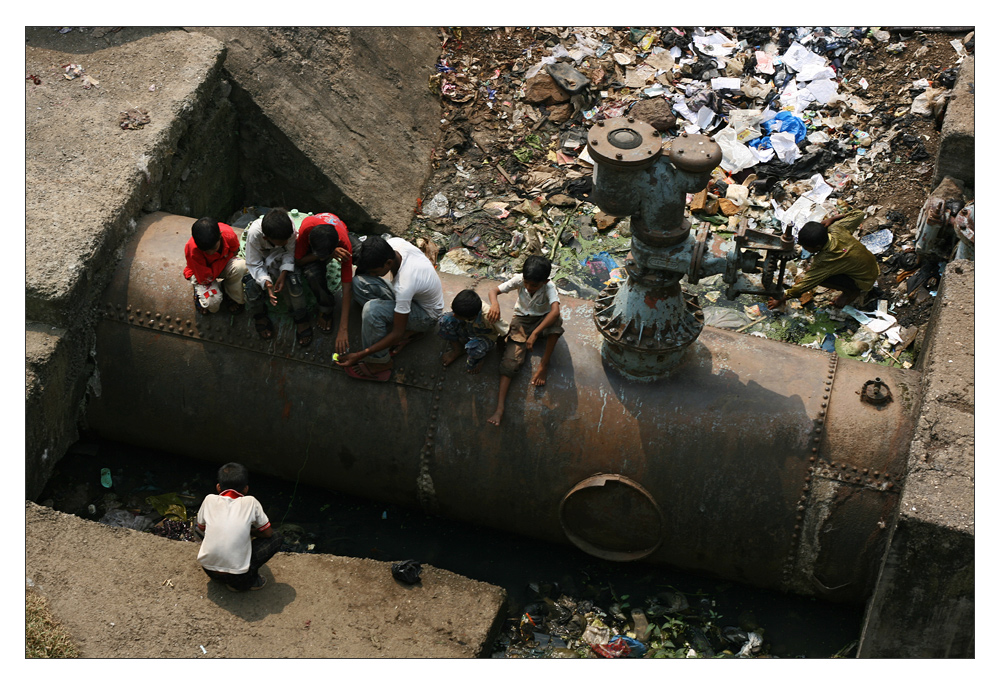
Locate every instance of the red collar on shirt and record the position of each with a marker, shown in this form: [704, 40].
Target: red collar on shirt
[230, 493]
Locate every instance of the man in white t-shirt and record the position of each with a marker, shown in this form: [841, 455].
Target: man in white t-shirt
[227, 522]
[393, 314]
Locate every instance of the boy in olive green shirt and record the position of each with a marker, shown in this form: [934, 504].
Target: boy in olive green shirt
[839, 260]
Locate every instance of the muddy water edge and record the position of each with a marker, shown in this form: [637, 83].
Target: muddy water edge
[546, 583]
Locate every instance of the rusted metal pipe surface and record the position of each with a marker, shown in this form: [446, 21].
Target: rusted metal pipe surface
[753, 460]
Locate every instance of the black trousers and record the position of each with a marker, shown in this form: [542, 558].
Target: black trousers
[261, 550]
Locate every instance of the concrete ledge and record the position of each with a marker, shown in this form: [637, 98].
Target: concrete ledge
[957, 152]
[108, 587]
[87, 178]
[924, 602]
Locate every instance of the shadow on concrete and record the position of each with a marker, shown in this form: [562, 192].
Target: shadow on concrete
[252, 606]
[91, 39]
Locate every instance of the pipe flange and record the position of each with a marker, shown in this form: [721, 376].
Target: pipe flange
[624, 142]
[695, 153]
[612, 517]
[876, 392]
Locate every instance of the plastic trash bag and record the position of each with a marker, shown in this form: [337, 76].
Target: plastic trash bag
[126, 520]
[724, 318]
[437, 207]
[735, 155]
[407, 571]
[877, 242]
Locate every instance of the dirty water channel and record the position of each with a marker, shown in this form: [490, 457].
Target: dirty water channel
[555, 593]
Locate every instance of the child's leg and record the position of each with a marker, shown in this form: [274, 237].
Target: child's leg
[232, 280]
[513, 357]
[538, 379]
[297, 303]
[450, 330]
[262, 550]
[365, 288]
[477, 348]
[501, 399]
[314, 275]
[376, 322]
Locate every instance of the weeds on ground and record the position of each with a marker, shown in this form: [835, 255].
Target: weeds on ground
[43, 636]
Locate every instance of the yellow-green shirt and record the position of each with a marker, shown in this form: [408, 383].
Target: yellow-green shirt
[842, 254]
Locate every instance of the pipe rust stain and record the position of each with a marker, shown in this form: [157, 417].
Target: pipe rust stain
[651, 302]
[287, 411]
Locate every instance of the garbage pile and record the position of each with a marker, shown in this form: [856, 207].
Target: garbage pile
[803, 136]
[668, 624]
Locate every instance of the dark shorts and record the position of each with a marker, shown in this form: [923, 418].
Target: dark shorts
[521, 328]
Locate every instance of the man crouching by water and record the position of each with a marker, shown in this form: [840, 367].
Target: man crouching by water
[238, 539]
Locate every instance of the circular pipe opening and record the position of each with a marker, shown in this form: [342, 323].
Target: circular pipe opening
[612, 517]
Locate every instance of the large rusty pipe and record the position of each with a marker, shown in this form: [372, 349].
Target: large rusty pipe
[753, 460]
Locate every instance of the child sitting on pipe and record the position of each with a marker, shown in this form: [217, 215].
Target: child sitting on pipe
[237, 536]
[210, 256]
[469, 330]
[536, 315]
[270, 259]
[393, 313]
[321, 238]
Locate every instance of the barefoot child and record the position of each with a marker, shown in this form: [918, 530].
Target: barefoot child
[270, 258]
[237, 536]
[469, 330]
[210, 256]
[536, 314]
[321, 238]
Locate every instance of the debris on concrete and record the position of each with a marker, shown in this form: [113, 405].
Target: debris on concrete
[807, 123]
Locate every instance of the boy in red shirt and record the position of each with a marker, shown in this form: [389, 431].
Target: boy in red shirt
[322, 237]
[211, 257]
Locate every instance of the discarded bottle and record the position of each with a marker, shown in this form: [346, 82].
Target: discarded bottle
[106, 477]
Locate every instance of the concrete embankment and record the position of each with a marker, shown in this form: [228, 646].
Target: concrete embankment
[122, 593]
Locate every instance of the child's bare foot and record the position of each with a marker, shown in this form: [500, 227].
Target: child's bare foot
[538, 379]
[474, 369]
[450, 355]
[497, 416]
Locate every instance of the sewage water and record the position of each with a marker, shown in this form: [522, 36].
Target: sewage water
[316, 520]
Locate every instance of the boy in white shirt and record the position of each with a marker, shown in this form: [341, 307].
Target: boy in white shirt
[393, 314]
[227, 522]
[536, 314]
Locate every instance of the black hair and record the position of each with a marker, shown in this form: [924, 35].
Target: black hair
[536, 268]
[323, 240]
[233, 475]
[374, 252]
[813, 235]
[467, 304]
[206, 233]
[277, 224]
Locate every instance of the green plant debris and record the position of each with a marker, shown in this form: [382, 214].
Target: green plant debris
[43, 635]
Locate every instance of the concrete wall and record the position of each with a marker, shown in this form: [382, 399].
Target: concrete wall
[339, 119]
[957, 152]
[87, 181]
[924, 602]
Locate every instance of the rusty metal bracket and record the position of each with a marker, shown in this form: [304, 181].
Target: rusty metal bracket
[876, 392]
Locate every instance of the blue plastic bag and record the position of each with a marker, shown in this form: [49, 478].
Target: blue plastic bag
[783, 121]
